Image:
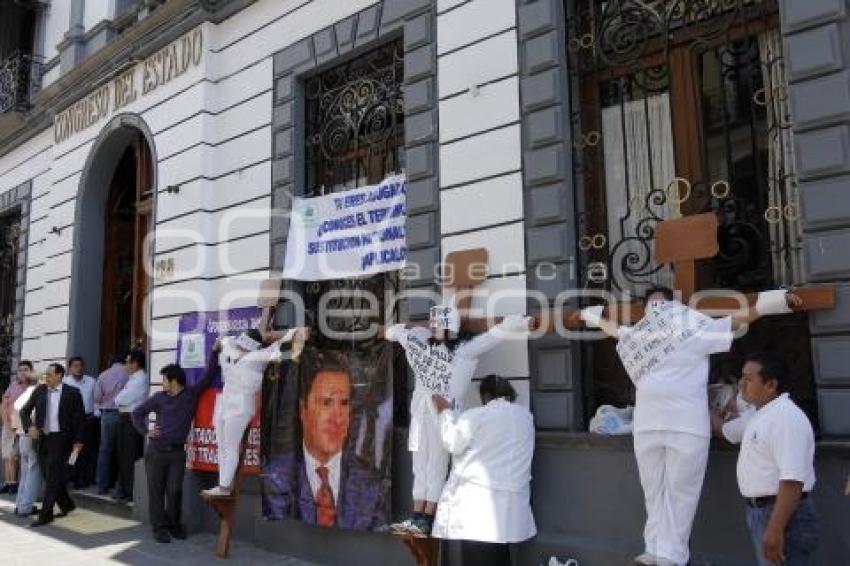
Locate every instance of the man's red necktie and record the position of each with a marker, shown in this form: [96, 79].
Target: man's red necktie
[325, 508]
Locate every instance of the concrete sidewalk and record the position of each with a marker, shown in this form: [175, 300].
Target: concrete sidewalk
[93, 538]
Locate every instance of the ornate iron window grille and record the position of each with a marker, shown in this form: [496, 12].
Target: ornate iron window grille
[10, 231]
[354, 137]
[20, 78]
[621, 53]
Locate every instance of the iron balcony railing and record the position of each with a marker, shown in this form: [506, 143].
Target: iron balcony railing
[20, 78]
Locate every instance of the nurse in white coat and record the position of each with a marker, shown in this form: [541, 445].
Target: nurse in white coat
[666, 355]
[486, 501]
[443, 362]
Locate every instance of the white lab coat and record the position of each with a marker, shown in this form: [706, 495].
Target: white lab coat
[449, 373]
[487, 496]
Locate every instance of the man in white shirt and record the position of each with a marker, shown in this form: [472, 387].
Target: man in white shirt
[492, 447]
[776, 470]
[666, 355]
[53, 416]
[83, 471]
[130, 442]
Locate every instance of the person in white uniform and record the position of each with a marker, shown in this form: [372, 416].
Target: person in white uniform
[666, 355]
[486, 501]
[776, 470]
[443, 361]
[243, 360]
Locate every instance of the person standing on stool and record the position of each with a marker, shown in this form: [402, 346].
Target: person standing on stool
[444, 358]
[243, 360]
[57, 427]
[165, 456]
[666, 355]
[130, 442]
[486, 502]
[776, 471]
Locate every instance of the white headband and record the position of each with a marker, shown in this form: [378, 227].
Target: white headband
[247, 343]
[445, 318]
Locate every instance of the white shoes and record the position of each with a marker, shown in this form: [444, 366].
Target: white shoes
[217, 491]
[553, 561]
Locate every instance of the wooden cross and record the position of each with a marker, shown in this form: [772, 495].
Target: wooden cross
[681, 242]
[225, 507]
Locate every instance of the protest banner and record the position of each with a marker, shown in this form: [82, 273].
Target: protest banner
[354, 233]
[197, 335]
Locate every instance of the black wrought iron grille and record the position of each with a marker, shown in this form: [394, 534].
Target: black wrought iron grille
[10, 229]
[702, 82]
[355, 121]
[355, 137]
[681, 107]
[20, 77]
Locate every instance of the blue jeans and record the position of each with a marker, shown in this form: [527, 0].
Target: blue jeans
[29, 484]
[106, 456]
[801, 535]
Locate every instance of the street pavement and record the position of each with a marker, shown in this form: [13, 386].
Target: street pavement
[94, 538]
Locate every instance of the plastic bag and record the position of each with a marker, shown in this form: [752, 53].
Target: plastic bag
[612, 420]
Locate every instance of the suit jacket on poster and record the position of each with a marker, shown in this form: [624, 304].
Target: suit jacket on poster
[71, 412]
[360, 503]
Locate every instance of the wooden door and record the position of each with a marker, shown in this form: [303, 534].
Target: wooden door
[127, 255]
[143, 248]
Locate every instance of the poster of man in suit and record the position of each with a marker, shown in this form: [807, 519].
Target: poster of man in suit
[328, 438]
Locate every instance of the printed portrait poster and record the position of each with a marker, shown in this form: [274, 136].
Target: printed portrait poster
[197, 335]
[329, 426]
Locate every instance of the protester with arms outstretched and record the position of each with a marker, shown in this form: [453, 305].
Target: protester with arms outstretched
[666, 355]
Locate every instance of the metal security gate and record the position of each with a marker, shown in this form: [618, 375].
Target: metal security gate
[10, 231]
[681, 107]
[354, 137]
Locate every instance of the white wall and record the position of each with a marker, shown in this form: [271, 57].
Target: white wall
[212, 134]
[57, 17]
[481, 161]
[96, 11]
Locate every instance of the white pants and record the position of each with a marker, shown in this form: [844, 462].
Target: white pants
[232, 414]
[430, 460]
[671, 467]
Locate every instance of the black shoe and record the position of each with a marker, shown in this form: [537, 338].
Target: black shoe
[65, 512]
[5, 488]
[41, 521]
[178, 532]
[161, 536]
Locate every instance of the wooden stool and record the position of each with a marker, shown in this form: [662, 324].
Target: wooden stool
[425, 550]
[225, 507]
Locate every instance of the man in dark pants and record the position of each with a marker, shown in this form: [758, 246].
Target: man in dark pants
[57, 426]
[130, 442]
[165, 457]
[108, 385]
